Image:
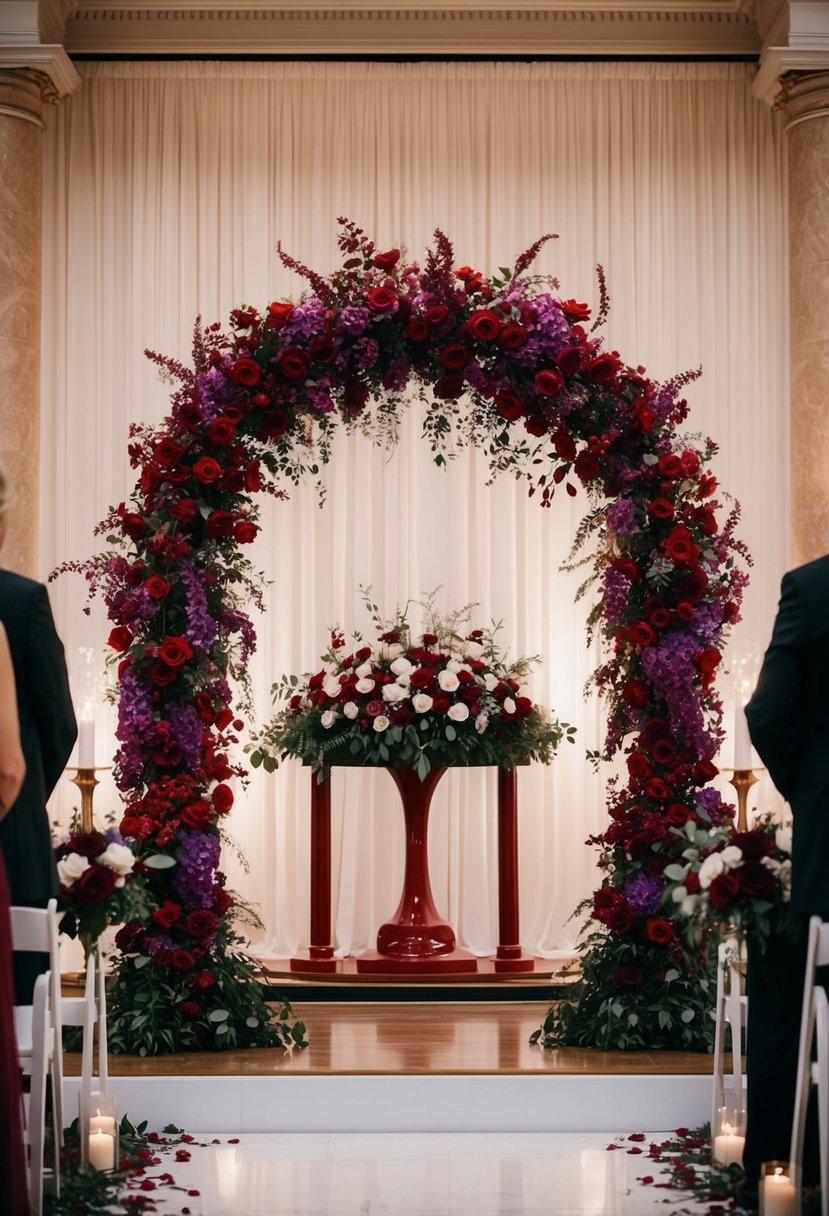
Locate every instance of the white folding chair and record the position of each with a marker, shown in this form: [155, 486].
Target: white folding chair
[82, 1011]
[35, 1052]
[36, 930]
[730, 1011]
[814, 1025]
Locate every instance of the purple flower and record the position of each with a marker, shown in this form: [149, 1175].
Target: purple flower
[187, 730]
[354, 320]
[201, 627]
[644, 893]
[135, 731]
[197, 856]
[616, 593]
[621, 517]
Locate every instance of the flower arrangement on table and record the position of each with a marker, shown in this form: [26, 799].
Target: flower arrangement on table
[446, 696]
[732, 881]
[101, 883]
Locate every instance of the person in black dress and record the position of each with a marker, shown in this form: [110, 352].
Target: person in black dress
[47, 733]
[788, 718]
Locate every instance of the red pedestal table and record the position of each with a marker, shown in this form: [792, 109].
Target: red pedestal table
[416, 941]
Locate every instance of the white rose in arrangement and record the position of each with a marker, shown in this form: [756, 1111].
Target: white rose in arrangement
[402, 666]
[785, 876]
[365, 685]
[474, 650]
[389, 651]
[117, 857]
[363, 670]
[393, 694]
[422, 703]
[448, 681]
[508, 706]
[710, 869]
[458, 712]
[331, 686]
[689, 904]
[490, 681]
[381, 723]
[732, 856]
[403, 680]
[481, 723]
[351, 710]
[454, 664]
[783, 838]
[71, 867]
[328, 719]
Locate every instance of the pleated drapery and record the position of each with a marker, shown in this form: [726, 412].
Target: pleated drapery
[168, 186]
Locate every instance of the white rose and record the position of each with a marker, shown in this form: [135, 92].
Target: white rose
[448, 681]
[71, 867]
[783, 838]
[365, 685]
[508, 706]
[121, 882]
[732, 856]
[363, 670]
[458, 712]
[331, 686]
[401, 666]
[490, 681]
[328, 719]
[422, 703]
[474, 650]
[117, 857]
[689, 905]
[350, 710]
[381, 722]
[481, 723]
[393, 693]
[454, 664]
[390, 651]
[403, 680]
[679, 894]
[710, 869]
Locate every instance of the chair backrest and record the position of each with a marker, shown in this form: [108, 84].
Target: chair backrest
[819, 930]
[817, 955]
[36, 930]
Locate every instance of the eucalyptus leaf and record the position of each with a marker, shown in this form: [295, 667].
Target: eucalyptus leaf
[160, 861]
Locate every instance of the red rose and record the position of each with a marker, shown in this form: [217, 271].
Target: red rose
[382, 299]
[569, 359]
[449, 387]
[221, 900]
[293, 363]
[628, 976]
[586, 466]
[659, 931]
[437, 314]
[663, 751]
[355, 397]
[157, 587]
[603, 368]
[692, 883]
[207, 470]
[642, 634]
[441, 703]
[219, 524]
[223, 718]
[279, 311]
[574, 311]
[182, 960]
[129, 937]
[704, 771]
[387, 260]
[690, 463]
[754, 845]
[246, 371]
[133, 826]
[660, 508]
[678, 814]
[202, 980]
[454, 357]
[707, 660]
[197, 815]
[162, 675]
[201, 923]
[185, 510]
[167, 915]
[658, 789]
[638, 765]
[723, 891]
[244, 531]
[133, 525]
[88, 844]
[417, 329]
[685, 611]
[660, 617]
[680, 548]
[536, 425]
[174, 651]
[635, 693]
[513, 336]
[221, 431]
[620, 919]
[484, 325]
[509, 405]
[190, 1009]
[120, 638]
[755, 880]
[549, 382]
[166, 452]
[222, 798]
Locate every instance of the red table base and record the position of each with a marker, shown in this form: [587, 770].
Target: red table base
[417, 940]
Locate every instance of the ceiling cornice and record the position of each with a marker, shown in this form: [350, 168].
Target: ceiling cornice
[611, 28]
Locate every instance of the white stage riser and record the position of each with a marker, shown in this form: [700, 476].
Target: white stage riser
[412, 1104]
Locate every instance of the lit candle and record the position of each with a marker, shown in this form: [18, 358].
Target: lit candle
[102, 1123]
[86, 743]
[779, 1194]
[101, 1152]
[742, 740]
[728, 1146]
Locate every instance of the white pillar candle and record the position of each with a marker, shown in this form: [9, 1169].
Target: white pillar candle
[102, 1123]
[728, 1147]
[86, 743]
[779, 1195]
[101, 1151]
[742, 740]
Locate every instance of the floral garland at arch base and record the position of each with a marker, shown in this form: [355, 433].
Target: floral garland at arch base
[503, 363]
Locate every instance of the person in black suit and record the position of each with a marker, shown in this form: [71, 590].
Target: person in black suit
[788, 718]
[47, 732]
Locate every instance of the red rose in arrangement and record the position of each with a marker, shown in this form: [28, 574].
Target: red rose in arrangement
[245, 531]
[221, 432]
[659, 931]
[190, 1009]
[549, 382]
[201, 924]
[167, 915]
[95, 885]
[484, 325]
[246, 371]
[513, 336]
[182, 960]
[723, 891]
[120, 638]
[382, 299]
[387, 260]
[222, 798]
[174, 651]
[628, 976]
[509, 406]
[202, 980]
[207, 470]
[455, 356]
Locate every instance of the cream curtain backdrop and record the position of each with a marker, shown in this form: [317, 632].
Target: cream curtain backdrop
[168, 186]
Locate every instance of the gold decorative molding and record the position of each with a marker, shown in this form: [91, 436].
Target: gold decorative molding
[43, 61]
[373, 27]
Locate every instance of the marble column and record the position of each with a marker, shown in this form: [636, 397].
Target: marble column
[22, 93]
[807, 118]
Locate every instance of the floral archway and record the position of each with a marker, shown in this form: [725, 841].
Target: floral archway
[503, 363]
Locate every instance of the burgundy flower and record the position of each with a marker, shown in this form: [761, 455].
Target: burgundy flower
[95, 885]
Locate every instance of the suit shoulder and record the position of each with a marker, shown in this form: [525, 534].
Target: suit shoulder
[16, 588]
[813, 575]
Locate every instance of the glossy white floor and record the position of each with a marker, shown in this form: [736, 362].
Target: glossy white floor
[419, 1174]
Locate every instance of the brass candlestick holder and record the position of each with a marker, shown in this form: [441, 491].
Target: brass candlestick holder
[86, 781]
[742, 779]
